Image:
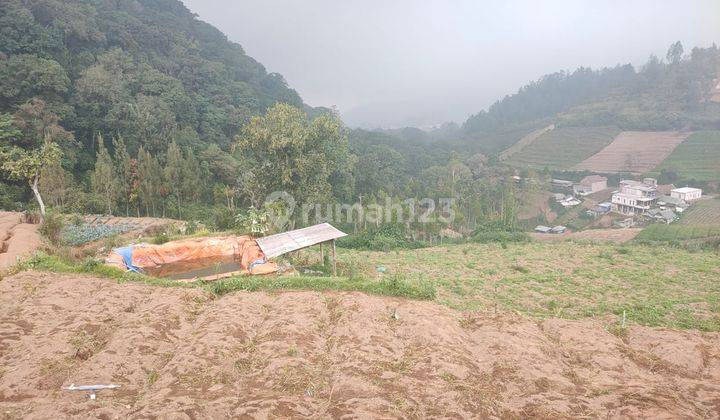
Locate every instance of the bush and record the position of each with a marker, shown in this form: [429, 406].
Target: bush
[386, 238]
[52, 227]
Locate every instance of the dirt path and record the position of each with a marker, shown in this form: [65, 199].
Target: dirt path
[179, 353]
[17, 239]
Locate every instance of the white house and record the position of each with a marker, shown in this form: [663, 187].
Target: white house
[686, 193]
[635, 197]
[590, 184]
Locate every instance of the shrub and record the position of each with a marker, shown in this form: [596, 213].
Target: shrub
[52, 227]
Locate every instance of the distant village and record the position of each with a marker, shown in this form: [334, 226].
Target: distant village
[640, 201]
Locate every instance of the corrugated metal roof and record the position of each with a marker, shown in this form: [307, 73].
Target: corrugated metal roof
[282, 243]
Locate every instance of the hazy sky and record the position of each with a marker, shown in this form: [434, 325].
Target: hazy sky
[421, 62]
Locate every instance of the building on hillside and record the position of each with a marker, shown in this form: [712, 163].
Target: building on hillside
[686, 193]
[665, 216]
[590, 184]
[543, 229]
[635, 197]
[672, 202]
[558, 230]
[600, 210]
[561, 183]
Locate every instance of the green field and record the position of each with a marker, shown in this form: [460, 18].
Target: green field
[678, 232]
[704, 212]
[698, 157]
[653, 285]
[564, 147]
[657, 286]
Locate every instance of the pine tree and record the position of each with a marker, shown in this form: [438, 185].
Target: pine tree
[103, 179]
[173, 172]
[124, 173]
[192, 183]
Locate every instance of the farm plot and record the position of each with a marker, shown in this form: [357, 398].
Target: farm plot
[669, 233]
[634, 151]
[564, 147]
[525, 141]
[702, 213]
[698, 157]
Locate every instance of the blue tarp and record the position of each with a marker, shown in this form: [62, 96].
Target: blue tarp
[126, 253]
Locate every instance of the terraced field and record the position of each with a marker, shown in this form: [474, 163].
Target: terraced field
[698, 157]
[525, 142]
[702, 213]
[634, 151]
[564, 147]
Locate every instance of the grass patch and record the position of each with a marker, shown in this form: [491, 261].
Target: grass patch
[398, 285]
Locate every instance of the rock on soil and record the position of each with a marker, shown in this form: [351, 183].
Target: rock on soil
[17, 239]
[182, 353]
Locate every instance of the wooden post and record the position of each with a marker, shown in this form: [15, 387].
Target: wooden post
[333, 257]
[322, 255]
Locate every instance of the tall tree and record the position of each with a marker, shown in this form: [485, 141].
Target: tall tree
[284, 151]
[124, 172]
[173, 172]
[31, 144]
[104, 177]
[675, 52]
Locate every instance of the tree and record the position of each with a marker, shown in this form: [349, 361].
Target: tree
[284, 151]
[104, 178]
[32, 145]
[124, 172]
[675, 52]
[174, 173]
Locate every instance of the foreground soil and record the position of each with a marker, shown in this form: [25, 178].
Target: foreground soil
[181, 353]
[17, 239]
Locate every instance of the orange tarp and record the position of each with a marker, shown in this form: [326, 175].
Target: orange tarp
[242, 249]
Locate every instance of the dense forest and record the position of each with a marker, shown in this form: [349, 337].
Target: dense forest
[136, 107]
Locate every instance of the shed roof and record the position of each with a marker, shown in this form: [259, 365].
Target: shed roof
[685, 190]
[282, 243]
[590, 179]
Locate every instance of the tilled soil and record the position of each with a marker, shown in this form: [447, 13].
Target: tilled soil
[634, 151]
[17, 239]
[181, 353]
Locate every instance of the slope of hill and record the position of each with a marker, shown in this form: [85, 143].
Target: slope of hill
[698, 157]
[147, 70]
[525, 142]
[634, 151]
[564, 147]
[660, 96]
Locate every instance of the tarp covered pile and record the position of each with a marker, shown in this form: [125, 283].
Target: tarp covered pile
[243, 249]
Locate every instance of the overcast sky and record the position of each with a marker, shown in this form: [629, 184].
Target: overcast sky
[389, 63]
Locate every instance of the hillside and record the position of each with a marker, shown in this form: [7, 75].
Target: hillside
[697, 158]
[563, 147]
[147, 70]
[676, 95]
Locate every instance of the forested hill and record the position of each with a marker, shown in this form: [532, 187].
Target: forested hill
[145, 70]
[668, 94]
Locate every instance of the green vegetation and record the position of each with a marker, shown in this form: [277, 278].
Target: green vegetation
[677, 232]
[564, 147]
[697, 158]
[394, 285]
[655, 285]
[704, 212]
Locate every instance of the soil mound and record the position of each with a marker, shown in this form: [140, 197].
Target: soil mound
[181, 353]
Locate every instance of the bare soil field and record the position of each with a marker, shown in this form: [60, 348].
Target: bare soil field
[604, 235]
[634, 151]
[17, 239]
[180, 353]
